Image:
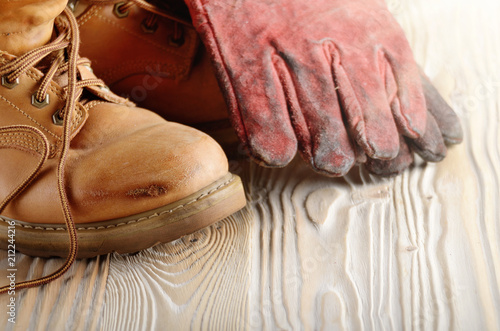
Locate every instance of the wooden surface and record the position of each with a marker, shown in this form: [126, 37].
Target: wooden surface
[418, 251]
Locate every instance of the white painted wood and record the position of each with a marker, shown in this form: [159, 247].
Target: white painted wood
[199, 281]
[73, 302]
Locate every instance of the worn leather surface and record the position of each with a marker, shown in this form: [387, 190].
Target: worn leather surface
[123, 160]
[176, 82]
[443, 128]
[318, 74]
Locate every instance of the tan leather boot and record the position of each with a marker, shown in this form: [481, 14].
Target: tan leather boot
[73, 154]
[157, 62]
[154, 60]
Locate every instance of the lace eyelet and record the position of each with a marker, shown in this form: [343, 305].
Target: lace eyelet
[118, 12]
[39, 104]
[176, 42]
[148, 29]
[104, 88]
[72, 4]
[9, 85]
[57, 119]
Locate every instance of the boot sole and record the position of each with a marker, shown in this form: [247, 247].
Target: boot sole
[134, 233]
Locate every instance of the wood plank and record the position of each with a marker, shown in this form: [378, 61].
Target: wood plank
[74, 301]
[197, 282]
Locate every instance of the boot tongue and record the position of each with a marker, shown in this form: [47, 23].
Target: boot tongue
[93, 92]
[84, 72]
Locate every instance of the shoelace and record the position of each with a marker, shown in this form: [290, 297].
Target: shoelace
[151, 21]
[68, 40]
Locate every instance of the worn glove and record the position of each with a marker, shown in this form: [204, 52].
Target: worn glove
[323, 74]
[443, 127]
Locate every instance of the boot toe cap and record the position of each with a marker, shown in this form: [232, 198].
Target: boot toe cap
[151, 167]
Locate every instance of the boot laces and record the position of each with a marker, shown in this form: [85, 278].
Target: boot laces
[64, 50]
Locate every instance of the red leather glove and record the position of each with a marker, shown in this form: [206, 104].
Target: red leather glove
[325, 74]
[443, 127]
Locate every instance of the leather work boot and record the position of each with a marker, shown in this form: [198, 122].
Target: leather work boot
[157, 62]
[75, 156]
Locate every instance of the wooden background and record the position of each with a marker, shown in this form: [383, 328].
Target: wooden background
[418, 251]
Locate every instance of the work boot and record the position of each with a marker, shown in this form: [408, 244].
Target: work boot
[73, 154]
[157, 62]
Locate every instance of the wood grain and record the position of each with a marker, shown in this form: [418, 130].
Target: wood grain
[417, 252]
[198, 282]
[73, 302]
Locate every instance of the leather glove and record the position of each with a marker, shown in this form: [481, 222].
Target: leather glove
[443, 127]
[325, 75]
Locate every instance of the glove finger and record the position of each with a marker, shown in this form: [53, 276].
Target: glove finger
[445, 117]
[392, 167]
[411, 114]
[430, 146]
[256, 103]
[364, 101]
[315, 113]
